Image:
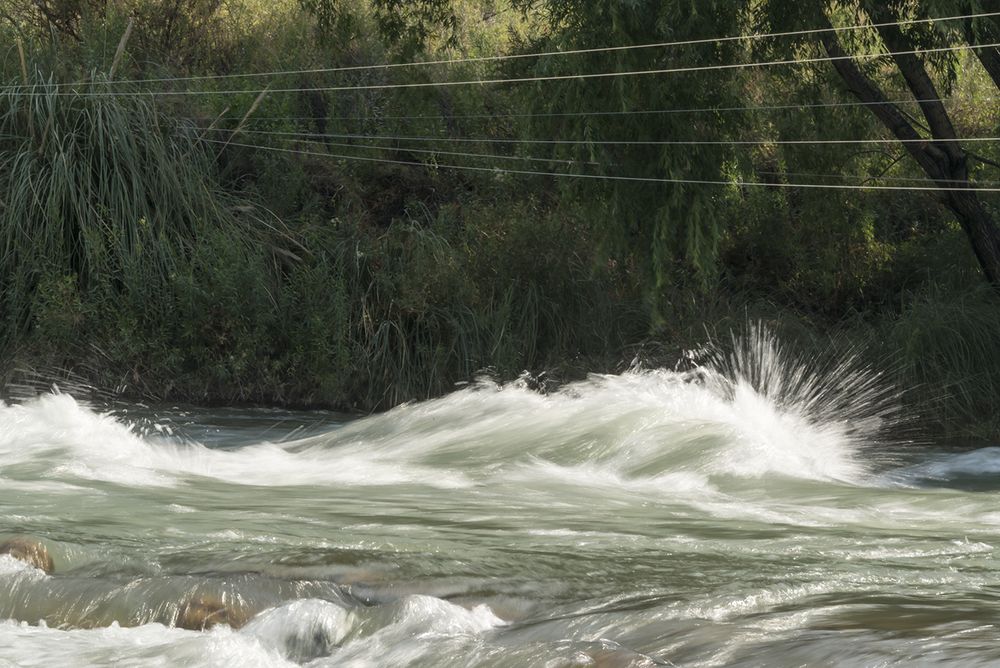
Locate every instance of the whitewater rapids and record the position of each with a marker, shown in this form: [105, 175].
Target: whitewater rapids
[754, 510]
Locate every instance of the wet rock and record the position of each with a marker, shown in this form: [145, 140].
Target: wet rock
[204, 611]
[30, 551]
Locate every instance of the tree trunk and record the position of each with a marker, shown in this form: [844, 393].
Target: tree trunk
[990, 58]
[943, 160]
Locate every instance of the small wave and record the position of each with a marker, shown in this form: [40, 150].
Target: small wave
[151, 644]
[755, 412]
[11, 566]
[303, 630]
[973, 471]
[758, 411]
[56, 437]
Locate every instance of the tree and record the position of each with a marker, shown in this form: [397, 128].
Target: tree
[941, 156]
[678, 222]
[669, 231]
[938, 150]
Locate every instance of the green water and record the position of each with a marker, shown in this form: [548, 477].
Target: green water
[653, 518]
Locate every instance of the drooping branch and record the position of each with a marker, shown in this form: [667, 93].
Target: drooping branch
[983, 159]
[978, 34]
[918, 80]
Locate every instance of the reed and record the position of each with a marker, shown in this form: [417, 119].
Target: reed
[947, 341]
[98, 192]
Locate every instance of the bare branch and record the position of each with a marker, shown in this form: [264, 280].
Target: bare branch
[884, 171]
[984, 160]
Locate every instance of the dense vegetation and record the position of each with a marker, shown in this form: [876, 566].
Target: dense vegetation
[171, 231]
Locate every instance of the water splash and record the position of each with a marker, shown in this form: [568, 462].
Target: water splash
[848, 410]
[698, 516]
[835, 388]
[752, 410]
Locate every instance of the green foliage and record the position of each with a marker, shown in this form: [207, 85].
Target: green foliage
[132, 249]
[174, 33]
[947, 341]
[334, 21]
[437, 300]
[672, 229]
[409, 25]
[58, 309]
[44, 16]
[91, 185]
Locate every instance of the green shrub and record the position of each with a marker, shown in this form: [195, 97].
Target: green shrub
[96, 187]
[948, 343]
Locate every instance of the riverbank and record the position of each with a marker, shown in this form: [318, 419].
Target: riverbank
[177, 227]
[935, 358]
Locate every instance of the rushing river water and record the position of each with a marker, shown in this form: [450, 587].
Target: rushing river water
[748, 513]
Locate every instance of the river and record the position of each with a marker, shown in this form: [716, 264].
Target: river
[760, 510]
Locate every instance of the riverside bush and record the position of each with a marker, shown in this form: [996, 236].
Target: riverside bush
[140, 248]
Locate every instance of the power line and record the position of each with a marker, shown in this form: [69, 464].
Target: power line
[434, 151]
[811, 175]
[628, 112]
[860, 177]
[512, 80]
[610, 177]
[545, 54]
[611, 142]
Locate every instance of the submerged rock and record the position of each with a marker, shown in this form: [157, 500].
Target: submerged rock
[204, 611]
[30, 551]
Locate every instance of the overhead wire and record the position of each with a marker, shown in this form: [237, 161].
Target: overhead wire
[812, 175]
[624, 112]
[547, 54]
[612, 177]
[434, 151]
[873, 177]
[610, 142]
[513, 80]
[578, 76]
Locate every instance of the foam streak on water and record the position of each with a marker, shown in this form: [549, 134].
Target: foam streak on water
[753, 510]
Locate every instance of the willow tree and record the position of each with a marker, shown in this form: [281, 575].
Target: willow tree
[925, 56]
[670, 225]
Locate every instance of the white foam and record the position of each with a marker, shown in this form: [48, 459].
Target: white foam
[429, 615]
[311, 629]
[755, 415]
[11, 566]
[148, 645]
[72, 441]
[303, 629]
[405, 631]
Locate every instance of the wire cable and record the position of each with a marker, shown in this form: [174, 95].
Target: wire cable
[612, 177]
[628, 112]
[516, 80]
[613, 142]
[810, 175]
[434, 151]
[872, 177]
[545, 54]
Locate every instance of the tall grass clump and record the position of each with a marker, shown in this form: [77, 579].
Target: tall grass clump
[441, 298]
[99, 193]
[950, 352]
